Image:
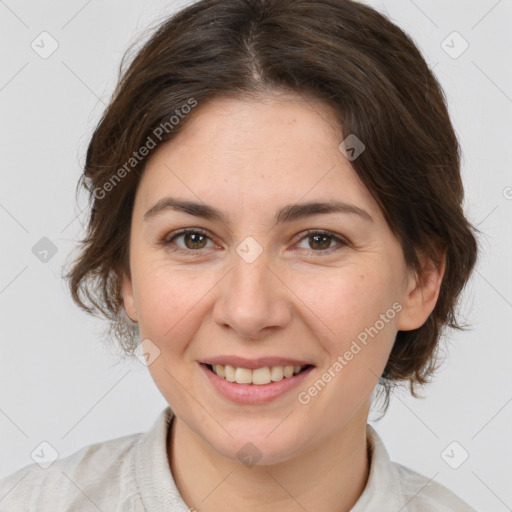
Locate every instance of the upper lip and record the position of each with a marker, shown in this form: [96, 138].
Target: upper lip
[251, 364]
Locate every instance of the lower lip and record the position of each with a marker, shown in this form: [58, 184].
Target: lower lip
[254, 393]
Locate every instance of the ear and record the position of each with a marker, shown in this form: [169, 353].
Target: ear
[127, 295]
[422, 293]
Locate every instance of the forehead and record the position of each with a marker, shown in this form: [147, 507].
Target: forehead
[279, 149]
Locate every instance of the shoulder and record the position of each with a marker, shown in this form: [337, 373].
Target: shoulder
[425, 494]
[393, 486]
[97, 473]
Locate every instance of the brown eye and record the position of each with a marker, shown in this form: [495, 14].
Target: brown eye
[191, 240]
[319, 241]
[194, 240]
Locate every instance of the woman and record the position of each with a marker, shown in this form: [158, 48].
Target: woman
[276, 230]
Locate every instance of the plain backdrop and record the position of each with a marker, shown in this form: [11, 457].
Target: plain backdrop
[60, 384]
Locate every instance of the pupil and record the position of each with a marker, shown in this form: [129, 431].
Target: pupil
[325, 238]
[194, 240]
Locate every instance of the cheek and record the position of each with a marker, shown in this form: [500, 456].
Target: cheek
[355, 306]
[357, 321]
[168, 301]
[346, 302]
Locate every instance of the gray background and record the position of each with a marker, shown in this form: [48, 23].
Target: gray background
[59, 382]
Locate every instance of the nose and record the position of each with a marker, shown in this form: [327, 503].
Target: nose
[253, 299]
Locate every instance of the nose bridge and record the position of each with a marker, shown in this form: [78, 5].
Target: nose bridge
[250, 278]
[252, 298]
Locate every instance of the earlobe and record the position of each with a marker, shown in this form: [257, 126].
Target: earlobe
[422, 294]
[128, 298]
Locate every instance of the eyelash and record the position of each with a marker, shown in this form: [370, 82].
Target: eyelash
[167, 241]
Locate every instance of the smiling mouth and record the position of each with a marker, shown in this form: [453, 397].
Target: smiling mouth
[257, 376]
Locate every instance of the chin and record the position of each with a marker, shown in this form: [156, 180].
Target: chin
[256, 447]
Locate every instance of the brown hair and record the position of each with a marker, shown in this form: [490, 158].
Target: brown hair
[340, 52]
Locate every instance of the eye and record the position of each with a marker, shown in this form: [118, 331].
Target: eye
[193, 239]
[321, 241]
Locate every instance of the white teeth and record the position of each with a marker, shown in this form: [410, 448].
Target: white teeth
[219, 370]
[258, 376]
[229, 373]
[261, 376]
[288, 371]
[277, 373]
[243, 376]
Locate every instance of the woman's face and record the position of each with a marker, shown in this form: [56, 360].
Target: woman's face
[268, 274]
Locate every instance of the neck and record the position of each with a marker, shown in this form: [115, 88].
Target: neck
[329, 477]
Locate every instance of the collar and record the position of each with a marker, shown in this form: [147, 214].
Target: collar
[159, 492]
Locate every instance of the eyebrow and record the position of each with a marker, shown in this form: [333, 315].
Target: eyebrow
[288, 213]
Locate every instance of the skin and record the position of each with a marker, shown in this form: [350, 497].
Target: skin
[300, 298]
